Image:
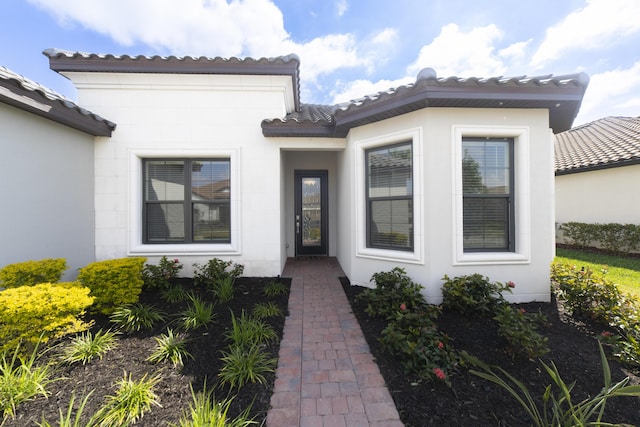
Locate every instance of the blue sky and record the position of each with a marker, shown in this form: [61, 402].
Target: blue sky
[349, 48]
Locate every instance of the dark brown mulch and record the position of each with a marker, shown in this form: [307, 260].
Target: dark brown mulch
[173, 390]
[473, 401]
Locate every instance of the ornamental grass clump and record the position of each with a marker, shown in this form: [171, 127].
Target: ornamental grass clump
[85, 347]
[22, 379]
[136, 317]
[171, 347]
[129, 403]
[206, 411]
[559, 407]
[198, 314]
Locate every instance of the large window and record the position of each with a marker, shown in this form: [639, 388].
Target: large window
[186, 201]
[389, 186]
[488, 194]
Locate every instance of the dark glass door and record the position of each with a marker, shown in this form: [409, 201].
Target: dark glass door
[311, 212]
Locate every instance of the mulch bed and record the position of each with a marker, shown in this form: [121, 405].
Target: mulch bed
[173, 390]
[473, 401]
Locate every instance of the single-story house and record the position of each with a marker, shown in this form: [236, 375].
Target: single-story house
[47, 171]
[598, 171]
[217, 157]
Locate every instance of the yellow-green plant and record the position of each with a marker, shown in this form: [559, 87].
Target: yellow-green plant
[28, 273]
[206, 411]
[42, 312]
[21, 379]
[72, 417]
[113, 282]
[129, 403]
[86, 346]
[170, 347]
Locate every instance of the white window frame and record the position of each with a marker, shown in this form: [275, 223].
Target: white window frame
[136, 245]
[522, 194]
[416, 256]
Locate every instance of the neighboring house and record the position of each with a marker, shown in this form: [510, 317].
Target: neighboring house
[47, 173]
[598, 171]
[444, 176]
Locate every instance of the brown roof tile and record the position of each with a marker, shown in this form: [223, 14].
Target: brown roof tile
[604, 143]
[23, 93]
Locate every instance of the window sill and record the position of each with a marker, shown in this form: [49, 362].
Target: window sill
[184, 249]
[390, 255]
[491, 258]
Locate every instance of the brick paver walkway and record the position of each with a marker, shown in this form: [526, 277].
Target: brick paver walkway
[326, 375]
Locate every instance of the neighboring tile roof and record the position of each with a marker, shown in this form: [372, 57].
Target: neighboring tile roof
[289, 65]
[20, 92]
[561, 95]
[605, 143]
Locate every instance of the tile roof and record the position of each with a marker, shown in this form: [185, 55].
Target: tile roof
[288, 65]
[20, 92]
[561, 95]
[604, 143]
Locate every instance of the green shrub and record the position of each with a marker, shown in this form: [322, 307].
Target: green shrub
[113, 282]
[160, 276]
[30, 273]
[423, 351]
[473, 294]
[42, 312]
[393, 289]
[614, 237]
[214, 270]
[520, 330]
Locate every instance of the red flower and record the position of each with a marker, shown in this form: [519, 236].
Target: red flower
[403, 306]
[511, 284]
[606, 334]
[439, 373]
[522, 310]
[440, 344]
[176, 260]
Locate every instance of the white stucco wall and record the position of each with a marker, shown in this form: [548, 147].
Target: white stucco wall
[437, 252]
[600, 196]
[47, 191]
[188, 116]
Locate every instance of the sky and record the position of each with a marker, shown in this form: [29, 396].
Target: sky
[349, 48]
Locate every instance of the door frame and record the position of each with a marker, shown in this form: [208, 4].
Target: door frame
[323, 248]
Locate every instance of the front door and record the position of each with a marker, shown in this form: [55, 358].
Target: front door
[311, 212]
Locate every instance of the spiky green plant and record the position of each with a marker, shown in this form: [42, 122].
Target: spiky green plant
[275, 288]
[136, 317]
[170, 347]
[198, 314]
[264, 310]
[205, 411]
[84, 347]
[224, 288]
[247, 331]
[174, 294]
[69, 418]
[129, 403]
[243, 365]
[21, 379]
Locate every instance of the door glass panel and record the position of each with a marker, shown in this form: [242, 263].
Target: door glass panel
[311, 212]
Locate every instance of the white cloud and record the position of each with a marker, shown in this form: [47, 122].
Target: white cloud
[454, 52]
[359, 88]
[599, 24]
[342, 6]
[612, 93]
